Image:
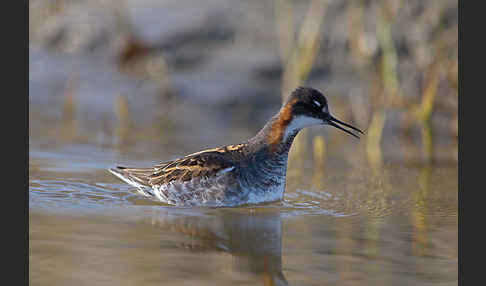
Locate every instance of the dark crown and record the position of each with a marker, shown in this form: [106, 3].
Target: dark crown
[307, 101]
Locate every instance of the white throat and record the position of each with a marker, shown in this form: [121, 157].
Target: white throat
[299, 122]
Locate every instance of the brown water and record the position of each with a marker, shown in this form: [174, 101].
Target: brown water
[341, 223]
[213, 77]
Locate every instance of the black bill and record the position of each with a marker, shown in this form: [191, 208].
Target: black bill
[332, 121]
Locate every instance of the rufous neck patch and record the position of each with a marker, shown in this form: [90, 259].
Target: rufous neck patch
[277, 130]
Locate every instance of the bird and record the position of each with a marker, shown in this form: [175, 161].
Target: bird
[252, 172]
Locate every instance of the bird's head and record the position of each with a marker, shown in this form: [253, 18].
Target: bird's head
[304, 107]
[307, 107]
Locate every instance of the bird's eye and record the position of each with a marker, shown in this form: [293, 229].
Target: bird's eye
[317, 103]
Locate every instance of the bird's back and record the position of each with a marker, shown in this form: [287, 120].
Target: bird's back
[203, 178]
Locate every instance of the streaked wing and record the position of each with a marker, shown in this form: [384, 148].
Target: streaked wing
[202, 164]
[161, 165]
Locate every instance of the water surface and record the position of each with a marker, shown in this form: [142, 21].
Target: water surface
[212, 79]
[339, 224]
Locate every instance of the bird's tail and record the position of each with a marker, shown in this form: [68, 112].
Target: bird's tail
[137, 177]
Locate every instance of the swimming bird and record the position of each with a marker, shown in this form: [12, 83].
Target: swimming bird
[247, 173]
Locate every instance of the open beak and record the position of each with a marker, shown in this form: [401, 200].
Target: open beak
[333, 122]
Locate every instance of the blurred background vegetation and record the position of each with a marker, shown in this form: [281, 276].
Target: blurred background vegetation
[139, 81]
[143, 76]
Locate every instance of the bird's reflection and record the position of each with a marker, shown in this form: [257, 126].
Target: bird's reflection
[252, 237]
